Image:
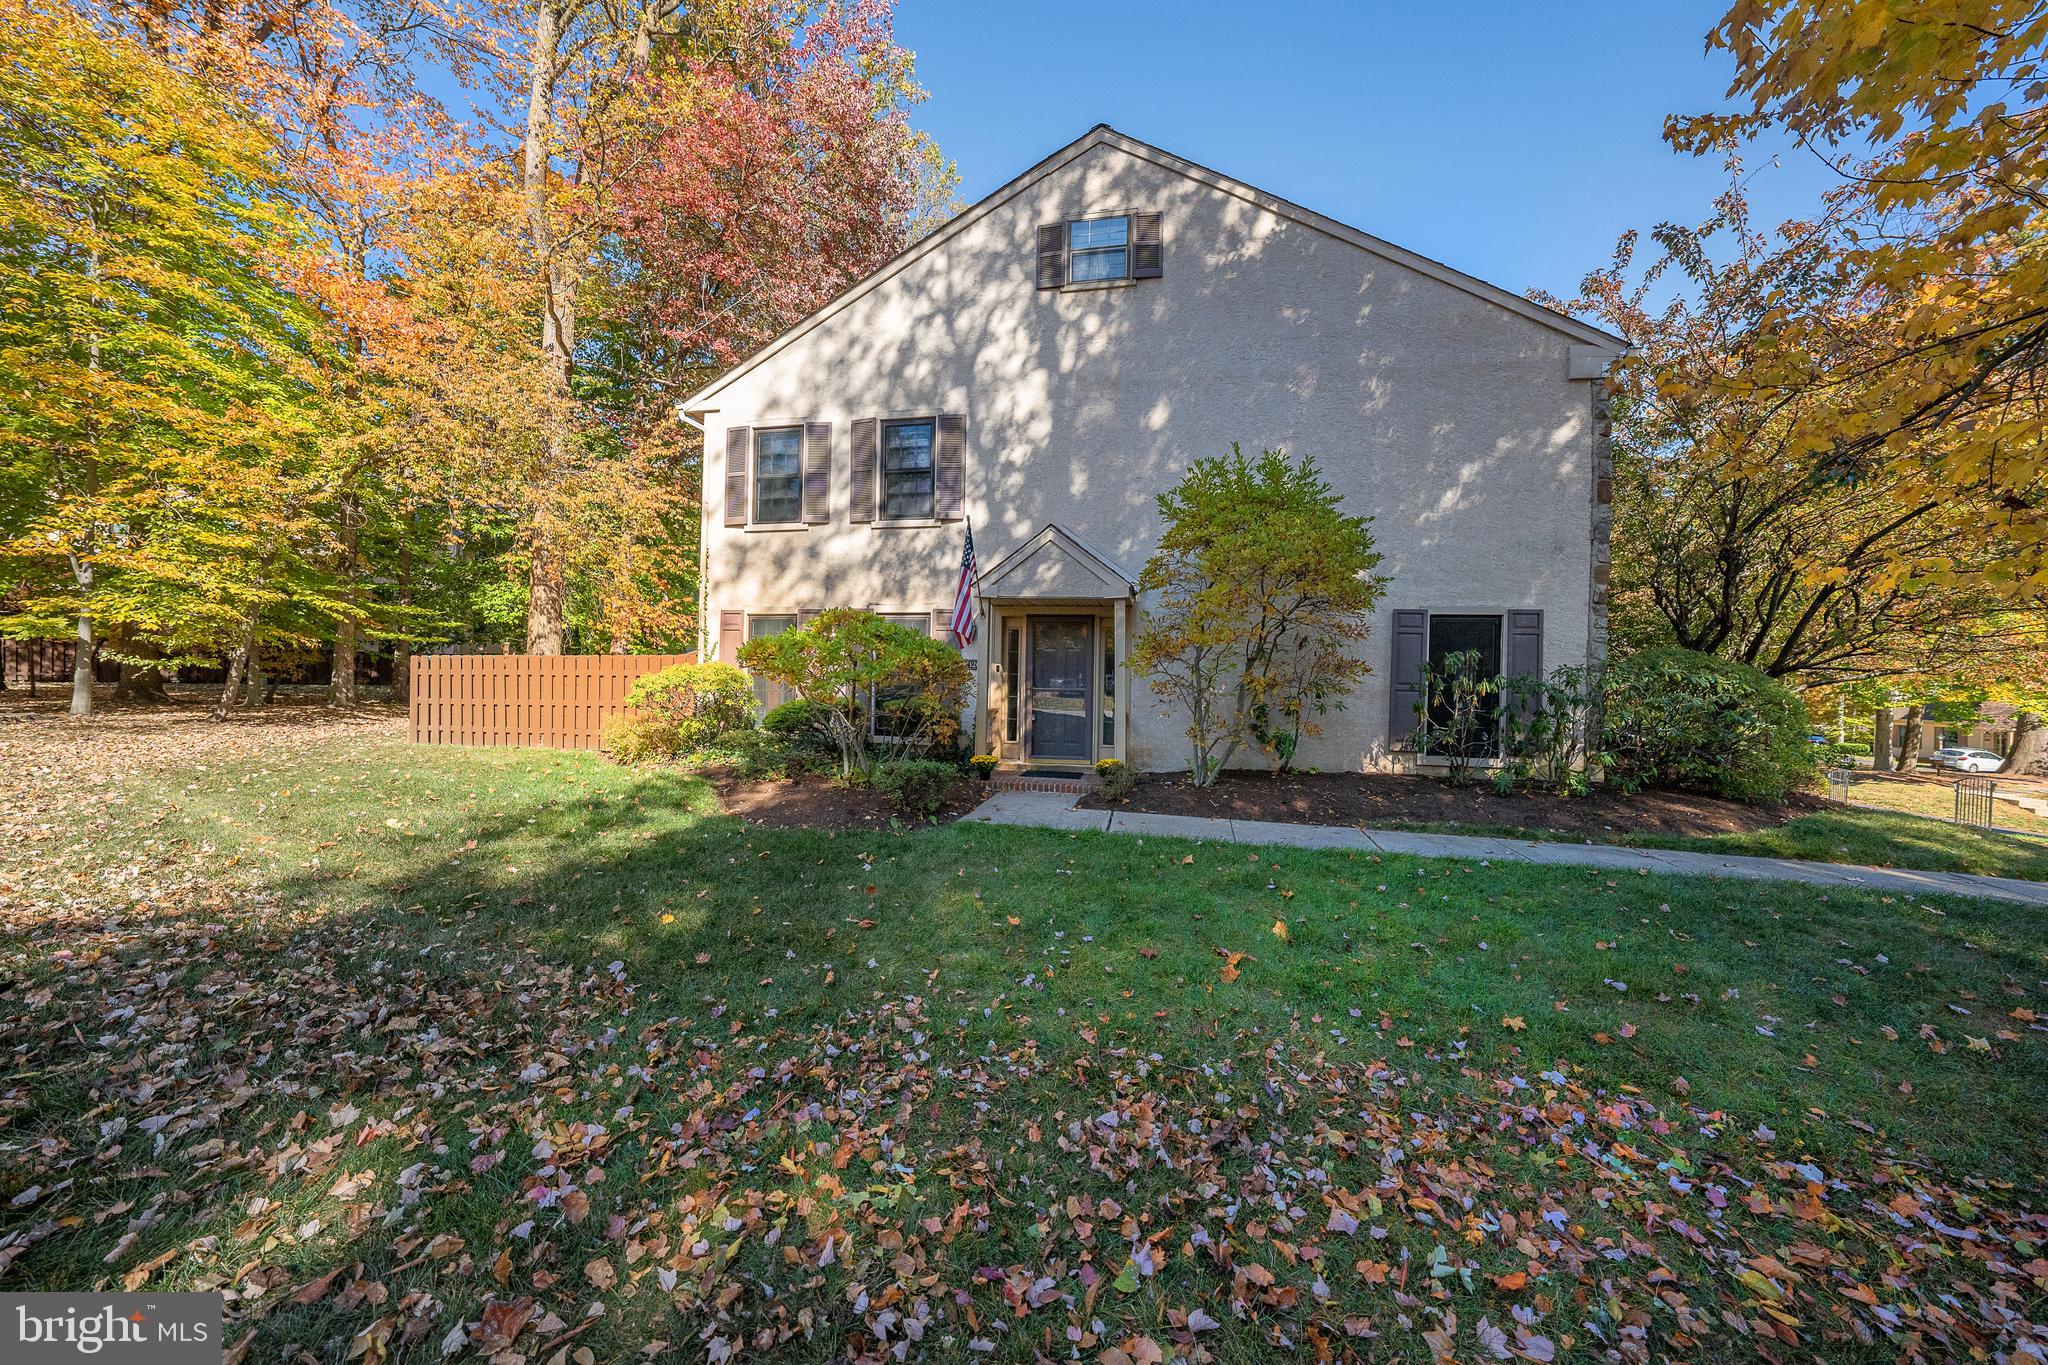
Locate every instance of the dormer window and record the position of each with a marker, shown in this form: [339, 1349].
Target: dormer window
[1084, 253]
[1098, 249]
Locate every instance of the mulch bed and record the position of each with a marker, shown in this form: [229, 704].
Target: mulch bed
[1377, 799]
[814, 802]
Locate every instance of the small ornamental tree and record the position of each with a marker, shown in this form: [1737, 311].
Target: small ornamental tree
[841, 658]
[1260, 594]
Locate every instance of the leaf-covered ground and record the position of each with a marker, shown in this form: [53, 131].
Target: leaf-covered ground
[423, 1054]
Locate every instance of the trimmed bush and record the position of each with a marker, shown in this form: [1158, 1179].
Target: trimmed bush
[1114, 779]
[702, 701]
[636, 740]
[797, 716]
[916, 785]
[1677, 718]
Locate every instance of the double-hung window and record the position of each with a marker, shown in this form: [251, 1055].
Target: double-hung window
[1098, 249]
[778, 476]
[907, 470]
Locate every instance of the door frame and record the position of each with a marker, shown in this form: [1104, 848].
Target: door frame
[1027, 730]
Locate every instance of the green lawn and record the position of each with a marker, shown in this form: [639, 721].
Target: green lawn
[1879, 839]
[377, 1037]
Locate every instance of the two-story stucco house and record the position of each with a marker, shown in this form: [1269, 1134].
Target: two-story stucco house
[1054, 357]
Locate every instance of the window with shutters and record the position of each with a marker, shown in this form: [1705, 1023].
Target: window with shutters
[1084, 253]
[907, 482]
[778, 476]
[1098, 249]
[1479, 635]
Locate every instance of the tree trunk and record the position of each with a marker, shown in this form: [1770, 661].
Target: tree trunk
[238, 667]
[141, 683]
[257, 690]
[1909, 742]
[547, 597]
[81, 665]
[341, 684]
[1881, 740]
[2029, 742]
[401, 648]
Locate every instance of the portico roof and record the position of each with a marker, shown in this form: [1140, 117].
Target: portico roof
[1055, 564]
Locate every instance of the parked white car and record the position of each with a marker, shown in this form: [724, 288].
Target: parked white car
[1966, 760]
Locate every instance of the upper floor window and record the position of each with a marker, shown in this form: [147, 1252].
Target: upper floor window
[1098, 249]
[907, 482]
[778, 475]
[1087, 252]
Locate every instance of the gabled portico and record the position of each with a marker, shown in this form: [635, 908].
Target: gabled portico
[1057, 615]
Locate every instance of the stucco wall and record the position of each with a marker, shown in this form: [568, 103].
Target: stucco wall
[1446, 417]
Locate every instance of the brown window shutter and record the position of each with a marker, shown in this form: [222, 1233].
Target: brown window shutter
[805, 614]
[738, 443]
[1411, 650]
[1525, 644]
[1148, 247]
[817, 472]
[1052, 255]
[731, 626]
[864, 433]
[1525, 649]
[949, 463]
[942, 624]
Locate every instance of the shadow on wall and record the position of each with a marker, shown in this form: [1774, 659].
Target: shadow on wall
[1083, 405]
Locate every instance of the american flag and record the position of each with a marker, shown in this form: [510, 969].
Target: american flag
[963, 595]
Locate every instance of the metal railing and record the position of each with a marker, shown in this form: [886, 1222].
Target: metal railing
[1973, 801]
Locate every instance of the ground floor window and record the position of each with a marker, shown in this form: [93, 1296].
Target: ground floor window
[1108, 688]
[1013, 681]
[769, 694]
[1481, 635]
[885, 721]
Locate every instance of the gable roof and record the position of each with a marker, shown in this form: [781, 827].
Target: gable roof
[1044, 555]
[1102, 135]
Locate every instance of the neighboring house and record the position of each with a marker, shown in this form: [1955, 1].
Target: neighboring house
[1052, 359]
[1990, 729]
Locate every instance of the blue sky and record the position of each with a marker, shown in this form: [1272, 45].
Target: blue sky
[1512, 141]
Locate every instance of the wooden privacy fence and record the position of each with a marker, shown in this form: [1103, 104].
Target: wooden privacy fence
[536, 701]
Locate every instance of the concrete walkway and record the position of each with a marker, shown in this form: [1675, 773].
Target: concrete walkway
[1054, 810]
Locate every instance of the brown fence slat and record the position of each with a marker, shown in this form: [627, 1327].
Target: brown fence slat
[524, 700]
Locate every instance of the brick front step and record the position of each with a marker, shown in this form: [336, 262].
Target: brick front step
[1040, 782]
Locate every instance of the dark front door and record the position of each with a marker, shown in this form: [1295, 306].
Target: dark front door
[1061, 654]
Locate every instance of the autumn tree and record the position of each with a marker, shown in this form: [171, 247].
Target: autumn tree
[1728, 539]
[158, 381]
[1259, 597]
[1936, 116]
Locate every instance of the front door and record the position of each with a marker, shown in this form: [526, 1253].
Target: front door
[1062, 656]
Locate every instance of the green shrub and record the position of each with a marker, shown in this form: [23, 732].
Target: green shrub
[1676, 718]
[702, 701]
[796, 717]
[842, 658]
[1114, 779]
[916, 785]
[634, 740]
[1840, 755]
